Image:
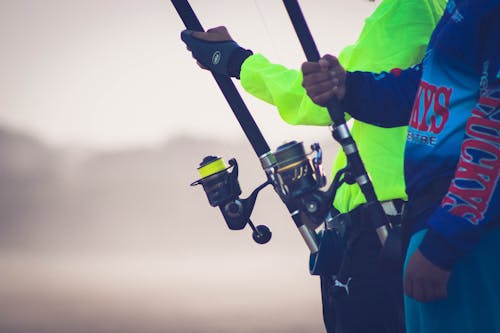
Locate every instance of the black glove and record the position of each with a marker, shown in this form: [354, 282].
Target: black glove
[224, 57]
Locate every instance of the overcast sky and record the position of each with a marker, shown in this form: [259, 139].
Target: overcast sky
[114, 73]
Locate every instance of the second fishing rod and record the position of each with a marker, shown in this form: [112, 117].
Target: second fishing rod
[355, 170]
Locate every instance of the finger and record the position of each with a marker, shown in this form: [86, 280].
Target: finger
[221, 32]
[334, 67]
[207, 36]
[444, 291]
[216, 34]
[325, 65]
[337, 92]
[418, 292]
[432, 290]
[332, 60]
[309, 67]
[316, 78]
[428, 292]
[408, 285]
[441, 291]
[337, 76]
[320, 87]
[322, 99]
[218, 29]
[199, 34]
[413, 287]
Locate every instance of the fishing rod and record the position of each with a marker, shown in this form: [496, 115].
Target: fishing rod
[296, 177]
[355, 171]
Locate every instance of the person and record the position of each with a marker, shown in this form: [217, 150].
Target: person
[452, 161]
[364, 297]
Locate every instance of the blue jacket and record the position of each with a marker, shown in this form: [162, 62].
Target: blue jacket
[452, 104]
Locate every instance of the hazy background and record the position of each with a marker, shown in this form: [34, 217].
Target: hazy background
[104, 117]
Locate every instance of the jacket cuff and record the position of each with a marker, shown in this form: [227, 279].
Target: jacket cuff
[237, 59]
[448, 239]
[350, 85]
[438, 250]
[352, 100]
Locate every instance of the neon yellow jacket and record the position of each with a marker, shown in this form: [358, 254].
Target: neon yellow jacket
[394, 36]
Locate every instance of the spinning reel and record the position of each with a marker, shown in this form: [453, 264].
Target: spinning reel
[223, 190]
[295, 176]
[299, 178]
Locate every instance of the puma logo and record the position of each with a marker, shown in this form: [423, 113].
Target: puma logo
[342, 285]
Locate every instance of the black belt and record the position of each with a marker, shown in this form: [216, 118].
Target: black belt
[339, 222]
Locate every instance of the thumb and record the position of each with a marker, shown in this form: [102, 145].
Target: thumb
[331, 60]
[217, 34]
[219, 29]
[328, 62]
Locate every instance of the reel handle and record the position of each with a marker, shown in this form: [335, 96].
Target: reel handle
[261, 234]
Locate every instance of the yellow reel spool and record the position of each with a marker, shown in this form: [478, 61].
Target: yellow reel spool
[217, 165]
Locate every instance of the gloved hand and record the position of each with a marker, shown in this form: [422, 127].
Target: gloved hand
[216, 51]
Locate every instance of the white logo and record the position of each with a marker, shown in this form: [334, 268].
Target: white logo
[216, 57]
[427, 56]
[379, 76]
[450, 6]
[457, 16]
[483, 85]
[342, 285]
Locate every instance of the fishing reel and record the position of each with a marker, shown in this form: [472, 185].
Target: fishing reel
[222, 188]
[298, 178]
[295, 176]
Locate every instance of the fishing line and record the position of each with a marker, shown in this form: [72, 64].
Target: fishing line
[268, 31]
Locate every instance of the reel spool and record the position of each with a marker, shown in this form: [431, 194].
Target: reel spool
[299, 178]
[294, 170]
[220, 185]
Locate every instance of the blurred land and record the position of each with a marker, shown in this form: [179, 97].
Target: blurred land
[118, 241]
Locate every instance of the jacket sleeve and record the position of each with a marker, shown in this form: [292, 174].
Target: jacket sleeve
[282, 87]
[393, 92]
[408, 22]
[471, 205]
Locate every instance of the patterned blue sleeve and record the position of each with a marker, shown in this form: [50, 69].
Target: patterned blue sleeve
[393, 92]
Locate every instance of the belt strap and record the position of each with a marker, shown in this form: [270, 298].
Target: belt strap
[340, 221]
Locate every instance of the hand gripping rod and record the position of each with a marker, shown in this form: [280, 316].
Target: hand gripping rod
[247, 123]
[339, 129]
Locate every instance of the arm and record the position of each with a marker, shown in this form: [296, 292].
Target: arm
[216, 51]
[470, 206]
[393, 92]
[364, 94]
[472, 199]
[282, 87]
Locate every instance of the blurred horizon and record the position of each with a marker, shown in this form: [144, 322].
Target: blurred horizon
[117, 241]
